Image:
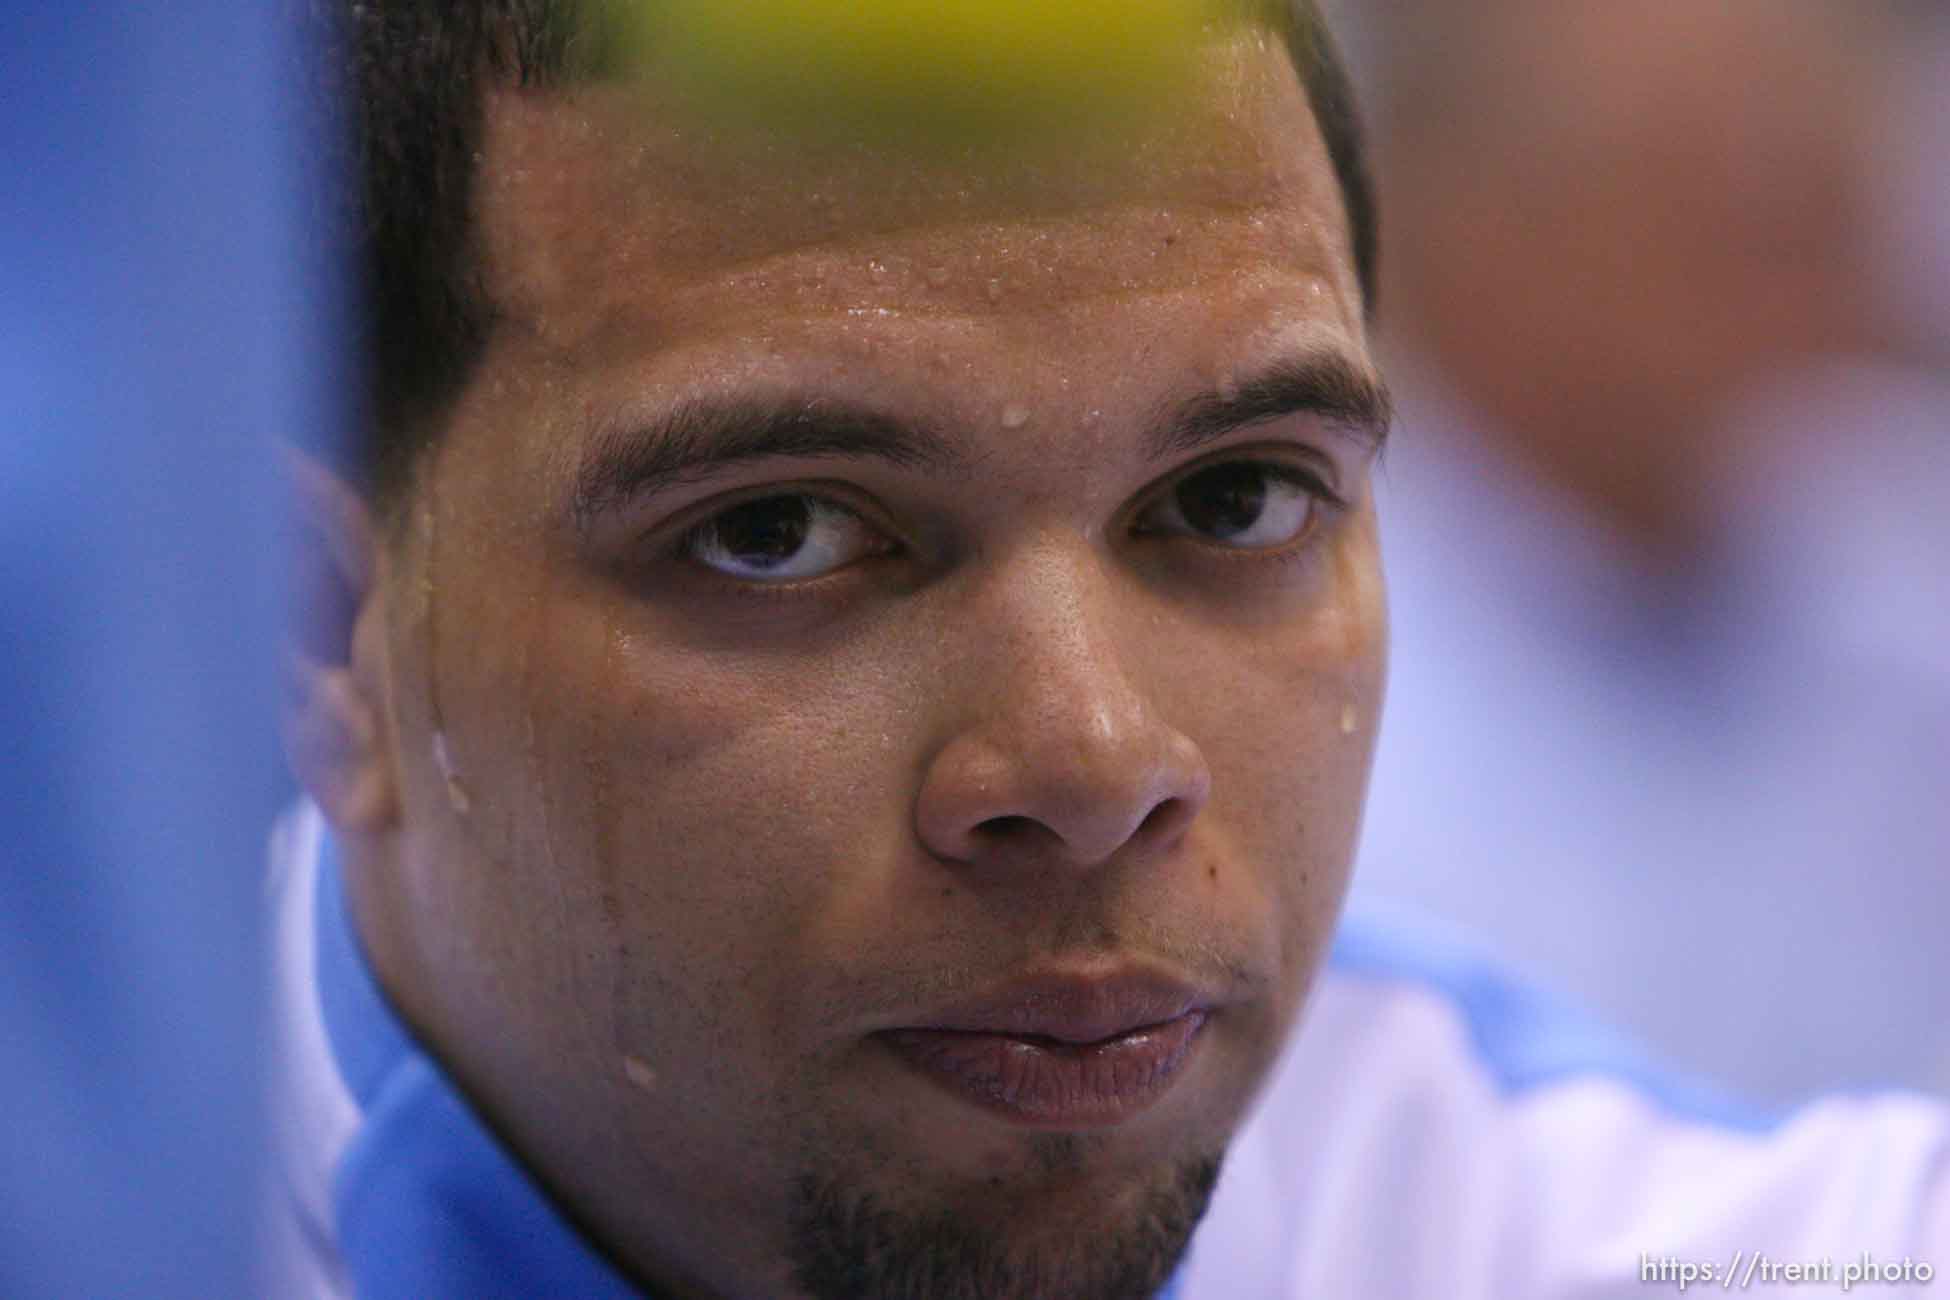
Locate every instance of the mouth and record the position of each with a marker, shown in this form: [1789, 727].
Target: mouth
[1064, 1053]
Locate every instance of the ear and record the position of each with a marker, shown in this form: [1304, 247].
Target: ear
[333, 664]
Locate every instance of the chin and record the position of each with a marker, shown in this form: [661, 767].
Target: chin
[1050, 1230]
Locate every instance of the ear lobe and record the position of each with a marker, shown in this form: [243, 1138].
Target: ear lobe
[332, 669]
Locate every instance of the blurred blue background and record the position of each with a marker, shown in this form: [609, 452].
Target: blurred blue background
[1666, 302]
[158, 329]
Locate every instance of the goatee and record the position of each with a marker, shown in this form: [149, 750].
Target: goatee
[848, 1244]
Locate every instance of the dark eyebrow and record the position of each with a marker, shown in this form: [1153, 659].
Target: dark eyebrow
[699, 438]
[1324, 385]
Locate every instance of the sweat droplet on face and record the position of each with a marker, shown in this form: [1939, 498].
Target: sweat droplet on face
[443, 760]
[1015, 415]
[639, 1073]
[1349, 719]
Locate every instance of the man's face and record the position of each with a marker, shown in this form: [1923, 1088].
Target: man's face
[874, 640]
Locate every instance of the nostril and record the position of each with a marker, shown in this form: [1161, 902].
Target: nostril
[1162, 823]
[1163, 819]
[1006, 828]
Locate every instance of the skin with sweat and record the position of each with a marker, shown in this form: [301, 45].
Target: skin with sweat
[656, 848]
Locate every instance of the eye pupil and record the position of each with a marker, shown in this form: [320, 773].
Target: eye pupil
[1223, 501]
[764, 534]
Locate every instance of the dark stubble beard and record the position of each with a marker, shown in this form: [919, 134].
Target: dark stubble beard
[847, 1244]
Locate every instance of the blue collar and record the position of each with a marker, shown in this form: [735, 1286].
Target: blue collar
[428, 1204]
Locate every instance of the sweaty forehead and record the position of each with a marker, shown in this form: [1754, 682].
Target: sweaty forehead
[610, 203]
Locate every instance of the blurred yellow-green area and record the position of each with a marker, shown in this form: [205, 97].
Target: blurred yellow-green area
[961, 67]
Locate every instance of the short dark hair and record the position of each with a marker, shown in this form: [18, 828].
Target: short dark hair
[411, 77]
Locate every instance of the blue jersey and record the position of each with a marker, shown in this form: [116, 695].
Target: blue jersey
[1433, 1130]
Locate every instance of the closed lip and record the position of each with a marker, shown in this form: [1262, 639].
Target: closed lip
[1065, 1052]
[1075, 1007]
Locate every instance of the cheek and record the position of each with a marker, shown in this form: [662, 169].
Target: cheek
[1290, 740]
[1296, 721]
[746, 805]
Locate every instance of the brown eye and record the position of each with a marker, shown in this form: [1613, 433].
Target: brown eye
[1242, 504]
[785, 538]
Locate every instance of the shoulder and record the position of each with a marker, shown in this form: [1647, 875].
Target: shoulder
[313, 1115]
[1438, 1127]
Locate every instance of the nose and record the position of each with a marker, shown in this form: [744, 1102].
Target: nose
[1064, 757]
